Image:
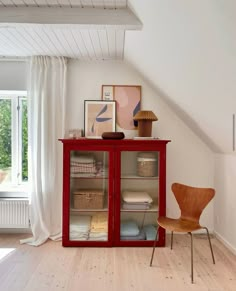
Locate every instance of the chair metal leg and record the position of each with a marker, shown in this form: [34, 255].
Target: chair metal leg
[154, 246]
[212, 254]
[171, 243]
[191, 257]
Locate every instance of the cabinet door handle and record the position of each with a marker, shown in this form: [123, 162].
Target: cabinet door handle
[233, 132]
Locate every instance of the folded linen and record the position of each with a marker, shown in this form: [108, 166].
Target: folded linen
[82, 175]
[98, 236]
[136, 206]
[140, 236]
[79, 227]
[136, 196]
[99, 222]
[150, 231]
[83, 159]
[74, 235]
[129, 228]
[80, 222]
[88, 165]
[83, 168]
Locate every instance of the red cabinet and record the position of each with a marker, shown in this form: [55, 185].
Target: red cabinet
[113, 192]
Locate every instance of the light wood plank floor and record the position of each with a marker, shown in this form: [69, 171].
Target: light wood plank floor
[52, 267]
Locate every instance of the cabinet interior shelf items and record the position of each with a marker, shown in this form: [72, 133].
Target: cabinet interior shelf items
[113, 192]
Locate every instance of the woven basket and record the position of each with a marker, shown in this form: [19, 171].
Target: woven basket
[146, 165]
[88, 199]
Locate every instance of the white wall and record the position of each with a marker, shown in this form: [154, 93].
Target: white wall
[189, 160]
[225, 200]
[187, 49]
[13, 75]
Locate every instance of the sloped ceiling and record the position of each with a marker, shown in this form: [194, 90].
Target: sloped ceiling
[187, 50]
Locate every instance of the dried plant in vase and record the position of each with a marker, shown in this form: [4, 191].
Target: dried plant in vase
[145, 119]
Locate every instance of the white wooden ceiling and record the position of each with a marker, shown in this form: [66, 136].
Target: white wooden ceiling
[67, 3]
[83, 29]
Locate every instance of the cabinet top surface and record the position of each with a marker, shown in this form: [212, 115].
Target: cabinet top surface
[90, 141]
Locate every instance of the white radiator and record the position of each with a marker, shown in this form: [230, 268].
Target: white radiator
[14, 213]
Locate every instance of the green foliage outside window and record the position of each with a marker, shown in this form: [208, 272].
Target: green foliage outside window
[5, 133]
[24, 141]
[5, 137]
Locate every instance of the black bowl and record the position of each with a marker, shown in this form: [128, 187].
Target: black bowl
[113, 135]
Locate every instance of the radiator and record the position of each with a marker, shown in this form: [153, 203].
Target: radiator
[14, 213]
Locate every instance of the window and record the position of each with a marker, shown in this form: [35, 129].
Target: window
[13, 144]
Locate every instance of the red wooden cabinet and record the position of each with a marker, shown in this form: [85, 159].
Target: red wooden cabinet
[113, 192]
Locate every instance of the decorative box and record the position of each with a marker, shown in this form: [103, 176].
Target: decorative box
[88, 199]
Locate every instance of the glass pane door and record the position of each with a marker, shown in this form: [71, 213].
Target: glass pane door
[139, 195]
[88, 196]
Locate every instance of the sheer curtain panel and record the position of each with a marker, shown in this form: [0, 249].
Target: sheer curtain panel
[46, 97]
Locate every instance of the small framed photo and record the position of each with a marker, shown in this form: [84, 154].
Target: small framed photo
[99, 117]
[107, 92]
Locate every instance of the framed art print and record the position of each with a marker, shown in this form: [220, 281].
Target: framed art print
[99, 117]
[128, 99]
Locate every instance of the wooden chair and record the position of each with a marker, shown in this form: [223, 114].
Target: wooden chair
[191, 201]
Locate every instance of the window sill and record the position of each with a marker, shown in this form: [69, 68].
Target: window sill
[14, 192]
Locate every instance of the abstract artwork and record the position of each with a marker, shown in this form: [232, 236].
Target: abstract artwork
[128, 100]
[99, 117]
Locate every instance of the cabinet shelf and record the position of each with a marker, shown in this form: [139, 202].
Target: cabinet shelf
[88, 177]
[153, 208]
[75, 210]
[135, 177]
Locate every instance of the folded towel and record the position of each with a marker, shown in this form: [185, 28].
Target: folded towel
[79, 227]
[83, 168]
[78, 235]
[150, 231]
[81, 175]
[80, 222]
[98, 236]
[83, 159]
[140, 236]
[136, 206]
[132, 197]
[129, 228]
[99, 222]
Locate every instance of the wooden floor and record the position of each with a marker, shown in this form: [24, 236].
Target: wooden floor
[52, 267]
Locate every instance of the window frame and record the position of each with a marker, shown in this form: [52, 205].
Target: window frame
[17, 187]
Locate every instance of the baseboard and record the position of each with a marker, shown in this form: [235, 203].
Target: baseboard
[225, 243]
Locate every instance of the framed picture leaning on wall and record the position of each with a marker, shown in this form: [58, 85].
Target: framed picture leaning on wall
[99, 117]
[128, 98]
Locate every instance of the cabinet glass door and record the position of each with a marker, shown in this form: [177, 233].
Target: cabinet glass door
[139, 196]
[88, 220]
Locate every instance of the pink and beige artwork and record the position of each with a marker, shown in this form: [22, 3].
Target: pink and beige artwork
[128, 100]
[128, 103]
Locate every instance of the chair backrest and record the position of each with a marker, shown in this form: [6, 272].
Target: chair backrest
[192, 200]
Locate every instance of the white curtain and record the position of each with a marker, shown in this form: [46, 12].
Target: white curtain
[46, 107]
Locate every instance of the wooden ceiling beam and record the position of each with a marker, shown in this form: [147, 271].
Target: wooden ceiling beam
[84, 17]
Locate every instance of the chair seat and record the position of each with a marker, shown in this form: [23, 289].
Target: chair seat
[178, 225]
